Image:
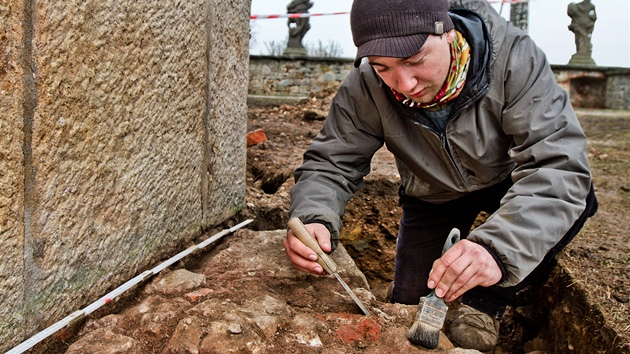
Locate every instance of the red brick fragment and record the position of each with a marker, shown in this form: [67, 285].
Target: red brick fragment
[256, 137]
[354, 328]
[366, 329]
[197, 294]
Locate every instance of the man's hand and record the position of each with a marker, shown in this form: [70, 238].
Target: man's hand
[463, 267]
[302, 257]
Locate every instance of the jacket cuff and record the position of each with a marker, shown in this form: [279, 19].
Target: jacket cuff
[504, 272]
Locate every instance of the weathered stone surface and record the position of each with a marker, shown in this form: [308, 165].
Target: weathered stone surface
[152, 314]
[109, 321]
[117, 141]
[221, 340]
[123, 138]
[177, 282]
[226, 128]
[11, 173]
[259, 304]
[187, 336]
[104, 341]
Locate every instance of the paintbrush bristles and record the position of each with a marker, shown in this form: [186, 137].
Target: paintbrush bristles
[430, 318]
[424, 335]
[431, 310]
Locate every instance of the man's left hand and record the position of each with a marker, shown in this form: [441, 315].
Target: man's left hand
[463, 267]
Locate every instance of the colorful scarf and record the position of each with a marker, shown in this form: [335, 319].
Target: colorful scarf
[454, 83]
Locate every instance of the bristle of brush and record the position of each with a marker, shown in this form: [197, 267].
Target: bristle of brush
[424, 335]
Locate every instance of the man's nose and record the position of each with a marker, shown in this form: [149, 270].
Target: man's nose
[406, 80]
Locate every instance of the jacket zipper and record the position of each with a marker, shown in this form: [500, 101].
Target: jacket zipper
[442, 136]
[447, 150]
[443, 143]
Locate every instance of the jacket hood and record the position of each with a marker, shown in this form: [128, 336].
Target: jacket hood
[473, 28]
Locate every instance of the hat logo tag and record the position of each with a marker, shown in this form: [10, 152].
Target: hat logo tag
[439, 27]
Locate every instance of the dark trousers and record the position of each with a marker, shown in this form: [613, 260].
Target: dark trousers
[424, 227]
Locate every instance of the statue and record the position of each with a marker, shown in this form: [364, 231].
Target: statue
[583, 18]
[297, 27]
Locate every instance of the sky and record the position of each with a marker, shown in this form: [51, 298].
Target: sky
[548, 21]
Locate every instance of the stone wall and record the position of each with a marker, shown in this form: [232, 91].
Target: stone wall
[119, 144]
[618, 92]
[588, 87]
[295, 77]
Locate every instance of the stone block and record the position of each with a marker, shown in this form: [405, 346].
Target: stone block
[11, 173]
[117, 143]
[123, 139]
[226, 128]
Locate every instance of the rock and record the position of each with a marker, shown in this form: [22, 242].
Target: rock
[104, 341]
[221, 340]
[109, 321]
[235, 328]
[151, 316]
[187, 336]
[177, 282]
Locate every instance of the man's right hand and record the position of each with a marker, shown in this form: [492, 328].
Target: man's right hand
[302, 257]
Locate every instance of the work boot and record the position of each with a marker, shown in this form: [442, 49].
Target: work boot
[473, 329]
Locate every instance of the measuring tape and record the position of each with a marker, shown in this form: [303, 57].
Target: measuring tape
[79, 315]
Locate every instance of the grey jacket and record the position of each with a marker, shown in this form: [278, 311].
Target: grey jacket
[511, 120]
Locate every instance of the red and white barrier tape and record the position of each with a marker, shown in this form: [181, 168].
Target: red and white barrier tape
[306, 14]
[298, 15]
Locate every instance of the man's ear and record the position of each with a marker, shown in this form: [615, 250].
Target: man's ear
[450, 36]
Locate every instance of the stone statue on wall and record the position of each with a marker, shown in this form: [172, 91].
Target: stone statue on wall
[297, 27]
[583, 17]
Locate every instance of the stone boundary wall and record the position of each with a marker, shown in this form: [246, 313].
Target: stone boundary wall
[278, 76]
[120, 144]
[598, 87]
[618, 89]
[588, 87]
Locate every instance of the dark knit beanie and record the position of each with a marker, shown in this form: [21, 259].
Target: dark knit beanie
[396, 28]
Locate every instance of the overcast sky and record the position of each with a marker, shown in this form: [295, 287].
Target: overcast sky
[548, 21]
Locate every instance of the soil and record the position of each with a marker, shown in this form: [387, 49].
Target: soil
[592, 282]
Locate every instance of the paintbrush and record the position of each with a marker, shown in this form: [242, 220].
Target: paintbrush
[431, 313]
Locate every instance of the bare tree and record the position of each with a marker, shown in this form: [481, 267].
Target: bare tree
[276, 48]
[330, 50]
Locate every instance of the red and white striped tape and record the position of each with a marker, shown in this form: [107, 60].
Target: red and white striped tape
[306, 14]
[298, 15]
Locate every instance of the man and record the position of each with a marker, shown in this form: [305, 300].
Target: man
[471, 110]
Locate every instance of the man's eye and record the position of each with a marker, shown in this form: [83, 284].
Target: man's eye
[379, 69]
[416, 62]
